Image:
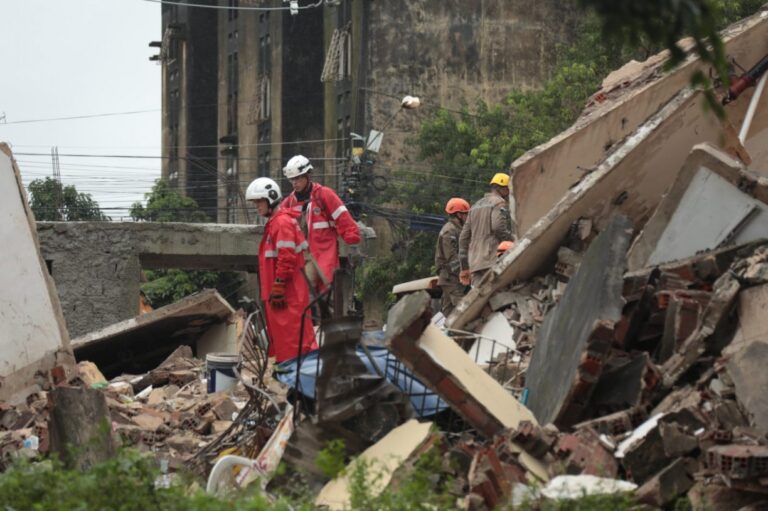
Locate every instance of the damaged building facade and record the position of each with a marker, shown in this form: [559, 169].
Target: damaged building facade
[244, 90]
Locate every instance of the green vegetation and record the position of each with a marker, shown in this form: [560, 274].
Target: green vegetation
[128, 483]
[332, 460]
[169, 285]
[664, 23]
[51, 201]
[164, 204]
[459, 152]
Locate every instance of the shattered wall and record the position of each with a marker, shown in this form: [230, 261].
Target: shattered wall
[544, 174]
[630, 179]
[33, 336]
[97, 265]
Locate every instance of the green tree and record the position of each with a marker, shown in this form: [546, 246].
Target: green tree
[164, 204]
[666, 22]
[166, 286]
[51, 201]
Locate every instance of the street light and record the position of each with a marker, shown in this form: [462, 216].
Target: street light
[374, 138]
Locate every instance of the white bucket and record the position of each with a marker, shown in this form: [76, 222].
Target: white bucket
[220, 369]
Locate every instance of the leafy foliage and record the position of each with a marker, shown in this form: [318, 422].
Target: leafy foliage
[331, 460]
[665, 22]
[170, 285]
[128, 483]
[125, 483]
[45, 194]
[164, 204]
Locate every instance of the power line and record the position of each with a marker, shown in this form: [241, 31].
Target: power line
[224, 7]
[73, 117]
[156, 157]
[260, 144]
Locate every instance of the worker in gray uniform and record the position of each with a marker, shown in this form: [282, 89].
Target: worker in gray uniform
[487, 225]
[447, 254]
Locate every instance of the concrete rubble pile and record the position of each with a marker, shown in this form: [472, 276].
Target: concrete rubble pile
[173, 417]
[619, 347]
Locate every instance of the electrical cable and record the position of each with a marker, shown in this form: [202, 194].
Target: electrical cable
[224, 7]
[74, 117]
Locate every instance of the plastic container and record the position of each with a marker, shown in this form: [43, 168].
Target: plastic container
[32, 442]
[220, 369]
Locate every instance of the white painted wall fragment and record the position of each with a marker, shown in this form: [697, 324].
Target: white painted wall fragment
[32, 332]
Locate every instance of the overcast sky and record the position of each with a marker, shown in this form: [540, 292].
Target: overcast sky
[81, 58]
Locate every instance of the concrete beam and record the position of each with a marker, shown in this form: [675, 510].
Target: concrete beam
[97, 265]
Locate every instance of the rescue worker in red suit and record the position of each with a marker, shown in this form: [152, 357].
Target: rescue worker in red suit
[283, 287]
[323, 218]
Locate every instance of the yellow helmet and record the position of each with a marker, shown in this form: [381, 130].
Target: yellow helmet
[500, 179]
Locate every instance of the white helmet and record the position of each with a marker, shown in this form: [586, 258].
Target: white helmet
[297, 166]
[264, 188]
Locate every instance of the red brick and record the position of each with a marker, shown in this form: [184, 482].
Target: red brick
[451, 391]
[428, 370]
[479, 418]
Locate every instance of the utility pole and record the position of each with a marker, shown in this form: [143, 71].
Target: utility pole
[58, 197]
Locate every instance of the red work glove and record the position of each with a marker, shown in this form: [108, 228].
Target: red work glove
[465, 277]
[277, 295]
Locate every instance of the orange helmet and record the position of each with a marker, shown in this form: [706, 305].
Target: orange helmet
[456, 205]
[503, 247]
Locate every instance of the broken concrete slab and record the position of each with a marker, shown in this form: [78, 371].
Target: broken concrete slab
[747, 356]
[142, 342]
[714, 200]
[380, 460]
[669, 484]
[748, 370]
[449, 371]
[630, 180]
[646, 456]
[709, 335]
[569, 344]
[543, 175]
[446, 369]
[626, 382]
[35, 337]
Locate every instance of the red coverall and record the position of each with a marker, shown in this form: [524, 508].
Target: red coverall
[280, 256]
[327, 218]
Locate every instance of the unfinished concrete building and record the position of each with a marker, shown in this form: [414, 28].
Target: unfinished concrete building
[188, 54]
[283, 84]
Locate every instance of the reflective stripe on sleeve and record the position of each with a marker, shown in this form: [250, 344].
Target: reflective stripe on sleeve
[286, 244]
[270, 253]
[336, 214]
[302, 246]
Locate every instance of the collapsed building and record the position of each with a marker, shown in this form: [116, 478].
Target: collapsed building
[618, 347]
